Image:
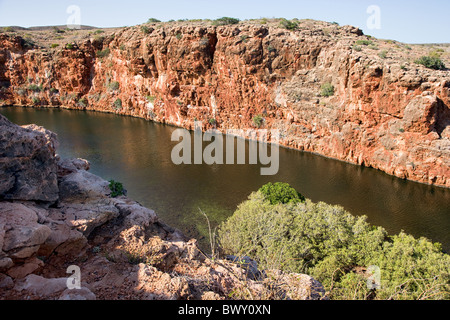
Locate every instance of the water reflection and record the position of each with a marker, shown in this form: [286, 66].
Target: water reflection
[137, 153]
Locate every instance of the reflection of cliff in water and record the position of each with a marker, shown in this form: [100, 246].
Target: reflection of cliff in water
[138, 153]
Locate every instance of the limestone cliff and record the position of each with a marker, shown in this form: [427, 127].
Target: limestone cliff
[386, 111]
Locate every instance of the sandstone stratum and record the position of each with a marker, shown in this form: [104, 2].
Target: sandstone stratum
[385, 111]
[55, 215]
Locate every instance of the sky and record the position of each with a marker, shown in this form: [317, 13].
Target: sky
[410, 21]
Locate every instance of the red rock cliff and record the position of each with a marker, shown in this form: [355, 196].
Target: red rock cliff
[386, 112]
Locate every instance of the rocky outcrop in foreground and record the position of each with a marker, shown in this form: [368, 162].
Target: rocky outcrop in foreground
[54, 214]
[385, 111]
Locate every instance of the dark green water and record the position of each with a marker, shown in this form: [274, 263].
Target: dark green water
[138, 153]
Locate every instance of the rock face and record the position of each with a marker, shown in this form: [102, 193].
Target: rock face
[386, 112]
[121, 249]
[27, 163]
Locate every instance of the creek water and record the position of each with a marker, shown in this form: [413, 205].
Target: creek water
[137, 153]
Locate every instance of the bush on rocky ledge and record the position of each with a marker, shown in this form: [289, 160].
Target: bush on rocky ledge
[336, 248]
[431, 62]
[224, 21]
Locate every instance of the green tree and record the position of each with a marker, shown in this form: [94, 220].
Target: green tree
[336, 248]
[288, 24]
[280, 192]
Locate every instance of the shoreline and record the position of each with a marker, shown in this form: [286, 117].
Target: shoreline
[246, 139]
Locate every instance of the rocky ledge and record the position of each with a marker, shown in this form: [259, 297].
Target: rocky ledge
[55, 215]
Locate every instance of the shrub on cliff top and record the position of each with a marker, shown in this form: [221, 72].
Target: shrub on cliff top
[336, 248]
[432, 62]
[225, 21]
[153, 20]
[288, 24]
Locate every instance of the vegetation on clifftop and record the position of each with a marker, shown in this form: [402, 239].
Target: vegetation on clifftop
[336, 248]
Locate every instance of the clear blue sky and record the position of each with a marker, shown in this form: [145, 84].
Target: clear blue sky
[410, 21]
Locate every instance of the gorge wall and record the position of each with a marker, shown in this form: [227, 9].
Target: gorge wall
[386, 112]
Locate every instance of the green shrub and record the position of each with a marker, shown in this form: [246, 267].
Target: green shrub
[118, 104]
[69, 46]
[116, 188]
[271, 49]
[327, 90]
[288, 24]
[383, 54]
[225, 21]
[258, 121]
[83, 102]
[431, 62]
[212, 121]
[57, 30]
[356, 48]
[153, 20]
[103, 53]
[35, 88]
[145, 29]
[364, 42]
[280, 192]
[35, 100]
[113, 86]
[54, 45]
[336, 248]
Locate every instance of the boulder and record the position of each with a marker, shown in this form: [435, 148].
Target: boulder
[27, 162]
[81, 185]
[77, 294]
[42, 287]
[22, 234]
